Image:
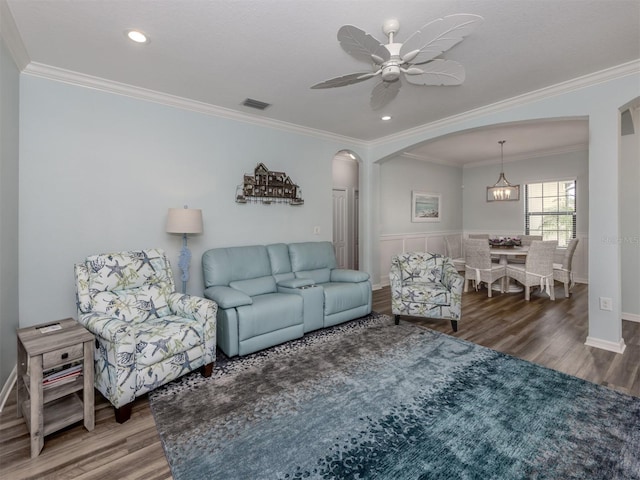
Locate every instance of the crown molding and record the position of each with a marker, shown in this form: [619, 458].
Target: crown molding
[579, 147]
[74, 78]
[602, 76]
[101, 84]
[11, 36]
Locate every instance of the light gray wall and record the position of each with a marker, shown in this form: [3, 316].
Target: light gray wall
[9, 122]
[98, 172]
[508, 217]
[400, 176]
[630, 219]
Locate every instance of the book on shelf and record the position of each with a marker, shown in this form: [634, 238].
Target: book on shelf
[61, 376]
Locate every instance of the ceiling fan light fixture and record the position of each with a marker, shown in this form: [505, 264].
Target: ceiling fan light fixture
[503, 190]
[415, 61]
[137, 36]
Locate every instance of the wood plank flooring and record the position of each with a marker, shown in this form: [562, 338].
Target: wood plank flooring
[541, 331]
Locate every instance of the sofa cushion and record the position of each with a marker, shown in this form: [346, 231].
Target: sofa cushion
[431, 293]
[162, 338]
[268, 313]
[339, 297]
[134, 305]
[279, 258]
[126, 270]
[255, 286]
[221, 266]
[420, 267]
[312, 256]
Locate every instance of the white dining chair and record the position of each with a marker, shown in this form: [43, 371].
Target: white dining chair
[525, 241]
[478, 266]
[453, 250]
[537, 269]
[562, 271]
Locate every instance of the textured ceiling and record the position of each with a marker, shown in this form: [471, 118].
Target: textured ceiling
[220, 52]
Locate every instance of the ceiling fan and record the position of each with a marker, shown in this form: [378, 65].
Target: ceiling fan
[415, 58]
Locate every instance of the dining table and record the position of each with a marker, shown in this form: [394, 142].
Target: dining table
[503, 254]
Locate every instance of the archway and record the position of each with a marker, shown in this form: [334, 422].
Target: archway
[345, 198]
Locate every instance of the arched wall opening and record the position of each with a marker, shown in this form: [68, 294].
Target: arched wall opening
[345, 170]
[459, 166]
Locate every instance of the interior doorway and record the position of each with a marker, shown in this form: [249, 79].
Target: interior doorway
[345, 171]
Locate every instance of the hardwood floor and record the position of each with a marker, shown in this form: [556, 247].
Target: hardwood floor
[541, 331]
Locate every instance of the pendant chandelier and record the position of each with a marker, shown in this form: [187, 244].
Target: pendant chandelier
[503, 190]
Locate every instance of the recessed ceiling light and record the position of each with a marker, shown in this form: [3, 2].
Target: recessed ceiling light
[386, 118]
[137, 36]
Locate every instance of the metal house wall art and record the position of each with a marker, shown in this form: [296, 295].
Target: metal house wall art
[267, 187]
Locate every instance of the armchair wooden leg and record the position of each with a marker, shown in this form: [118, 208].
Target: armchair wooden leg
[454, 325]
[566, 289]
[207, 370]
[397, 317]
[123, 413]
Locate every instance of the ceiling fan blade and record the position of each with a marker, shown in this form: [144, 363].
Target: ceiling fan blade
[361, 45]
[439, 36]
[344, 80]
[437, 72]
[383, 93]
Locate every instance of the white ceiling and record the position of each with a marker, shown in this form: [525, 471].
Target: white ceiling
[220, 52]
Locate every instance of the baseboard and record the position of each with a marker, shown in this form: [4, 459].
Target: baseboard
[8, 386]
[616, 347]
[632, 317]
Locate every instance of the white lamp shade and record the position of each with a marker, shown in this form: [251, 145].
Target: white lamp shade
[184, 220]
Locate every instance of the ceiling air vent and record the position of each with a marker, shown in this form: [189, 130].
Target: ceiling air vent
[250, 102]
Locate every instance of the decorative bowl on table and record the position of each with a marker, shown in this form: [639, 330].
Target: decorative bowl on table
[505, 242]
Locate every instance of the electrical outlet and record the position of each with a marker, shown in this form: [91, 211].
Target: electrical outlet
[316, 230]
[606, 304]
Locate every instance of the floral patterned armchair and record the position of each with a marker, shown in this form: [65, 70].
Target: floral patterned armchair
[146, 334]
[426, 285]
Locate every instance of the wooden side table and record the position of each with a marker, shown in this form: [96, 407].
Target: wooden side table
[54, 348]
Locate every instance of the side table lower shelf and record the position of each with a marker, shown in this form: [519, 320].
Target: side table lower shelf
[58, 413]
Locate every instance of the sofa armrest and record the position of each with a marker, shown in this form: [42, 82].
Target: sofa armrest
[451, 278]
[201, 310]
[345, 275]
[227, 297]
[115, 357]
[111, 329]
[296, 283]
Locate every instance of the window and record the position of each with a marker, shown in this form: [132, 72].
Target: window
[550, 210]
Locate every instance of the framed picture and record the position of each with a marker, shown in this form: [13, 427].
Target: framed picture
[425, 207]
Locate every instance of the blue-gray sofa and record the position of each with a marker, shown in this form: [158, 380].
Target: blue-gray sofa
[270, 294]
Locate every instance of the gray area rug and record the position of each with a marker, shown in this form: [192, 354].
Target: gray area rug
[372, 400]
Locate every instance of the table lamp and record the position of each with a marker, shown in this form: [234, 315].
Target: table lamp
[184, 220]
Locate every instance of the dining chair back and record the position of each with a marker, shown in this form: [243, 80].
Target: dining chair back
[562, 272]
[453, 250]
[525, 241]
[478, 265]
[537, 269]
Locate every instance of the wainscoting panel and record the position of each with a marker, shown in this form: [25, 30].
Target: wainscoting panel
[394, 244]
